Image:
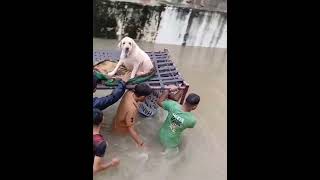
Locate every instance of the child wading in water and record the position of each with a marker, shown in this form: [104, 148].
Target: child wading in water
[127, 112]
[100, 145]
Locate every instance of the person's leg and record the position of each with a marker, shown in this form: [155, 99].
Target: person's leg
[170, 152]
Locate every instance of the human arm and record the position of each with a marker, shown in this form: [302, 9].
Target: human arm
[100, 165]
[163, 97]
[166, 94]
[133, 133]
[104, 102]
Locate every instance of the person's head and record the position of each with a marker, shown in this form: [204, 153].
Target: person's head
[95, 80]
[141, 91]
[192, 101]
[97, 117]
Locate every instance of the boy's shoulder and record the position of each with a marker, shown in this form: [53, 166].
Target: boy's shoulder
[172, 105]
[128, 98]
[170, 101]
[128, 103]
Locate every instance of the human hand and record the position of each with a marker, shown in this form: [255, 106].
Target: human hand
[172, 88]
[143, 147]
[125, 77]
[115, 162]
[140, 144]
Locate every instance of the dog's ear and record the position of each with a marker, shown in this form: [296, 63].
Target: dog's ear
[133, 44]
[120, 44]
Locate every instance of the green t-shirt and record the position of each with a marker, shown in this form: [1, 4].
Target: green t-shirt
[177, 120]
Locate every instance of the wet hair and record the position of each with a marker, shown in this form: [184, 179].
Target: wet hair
[97, 117]
[142, 90]
[193, 99]
[94, 80]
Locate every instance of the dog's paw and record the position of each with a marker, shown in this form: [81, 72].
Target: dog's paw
[140, 73]
[111, 74]
[132, 76]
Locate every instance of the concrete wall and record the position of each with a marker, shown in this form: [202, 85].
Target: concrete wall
[160, 23]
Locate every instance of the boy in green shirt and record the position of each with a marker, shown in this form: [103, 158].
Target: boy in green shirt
[179, 117]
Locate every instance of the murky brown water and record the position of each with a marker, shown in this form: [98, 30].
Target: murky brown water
[203, 155]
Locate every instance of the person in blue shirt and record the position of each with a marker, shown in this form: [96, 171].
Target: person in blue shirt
[102, 103]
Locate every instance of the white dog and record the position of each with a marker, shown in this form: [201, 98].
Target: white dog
[133, 58]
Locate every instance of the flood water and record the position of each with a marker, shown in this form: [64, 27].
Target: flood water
[203, 154]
